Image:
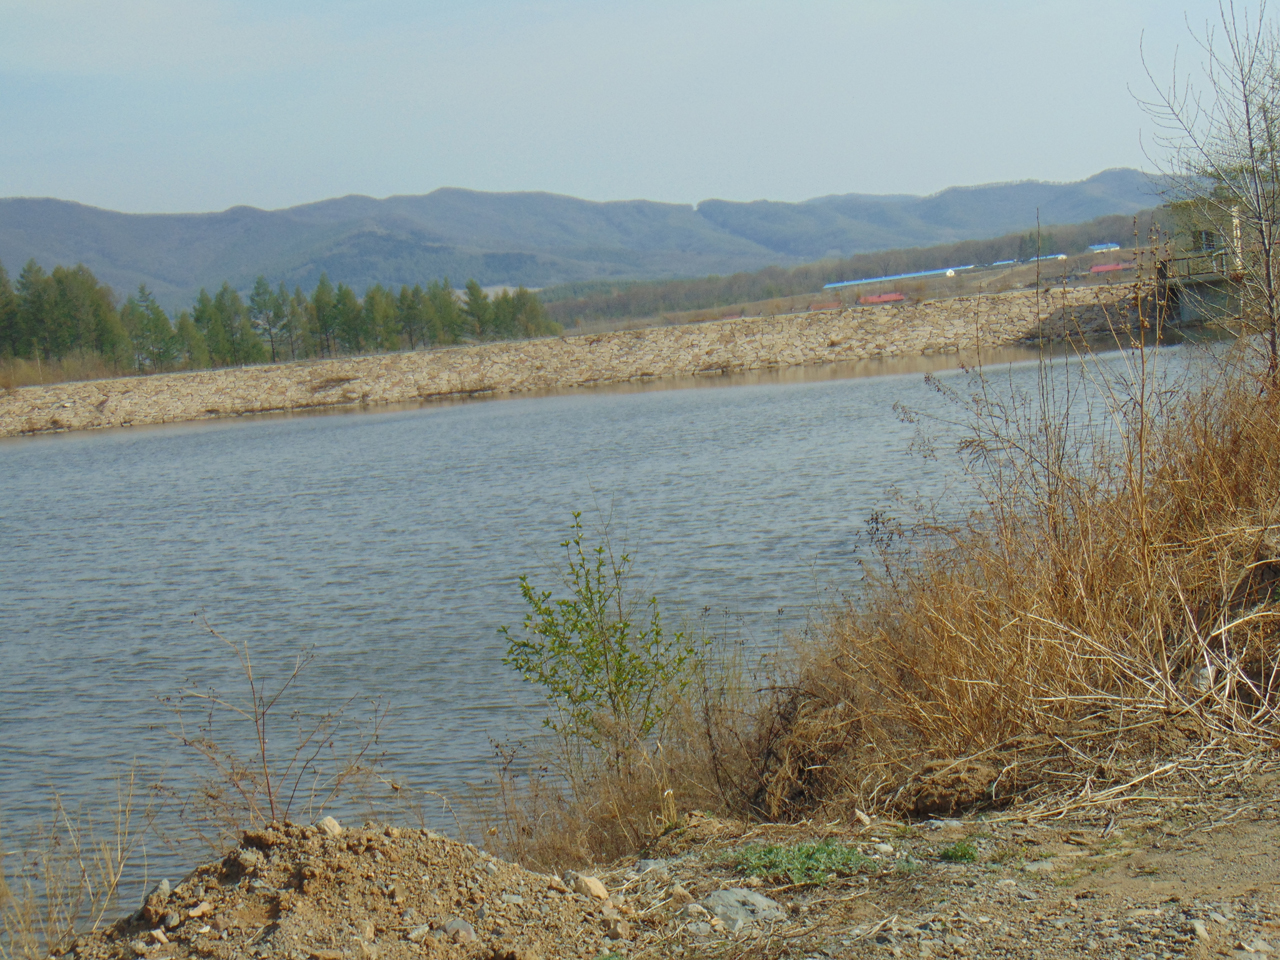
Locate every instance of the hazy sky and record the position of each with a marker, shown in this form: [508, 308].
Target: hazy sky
[184, 105]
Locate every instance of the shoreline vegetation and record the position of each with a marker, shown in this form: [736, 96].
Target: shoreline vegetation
[704, 349]
[1099, 635]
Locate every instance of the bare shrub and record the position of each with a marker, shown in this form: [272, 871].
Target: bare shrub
[1218, 133]
[266, 759]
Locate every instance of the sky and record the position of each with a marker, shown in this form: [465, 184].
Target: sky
[195, 105]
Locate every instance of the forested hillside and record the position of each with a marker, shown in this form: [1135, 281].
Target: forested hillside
[69, 313]
[529, 239]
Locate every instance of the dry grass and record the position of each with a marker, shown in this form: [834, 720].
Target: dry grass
[1107, 609]
[65, 879]
[1111, 605]
[17, 372]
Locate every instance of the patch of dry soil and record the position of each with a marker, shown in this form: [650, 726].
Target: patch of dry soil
[1185, 875]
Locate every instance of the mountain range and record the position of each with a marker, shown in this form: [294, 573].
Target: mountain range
[530, 239]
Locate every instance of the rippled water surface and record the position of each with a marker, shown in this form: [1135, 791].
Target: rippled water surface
[391, 542]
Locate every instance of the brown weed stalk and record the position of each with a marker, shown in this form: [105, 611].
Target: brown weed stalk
[65, 879]
[265, 759]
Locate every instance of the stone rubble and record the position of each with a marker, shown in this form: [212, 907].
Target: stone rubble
[378, 893]
[725, 346]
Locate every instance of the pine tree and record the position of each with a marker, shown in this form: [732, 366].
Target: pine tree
[281, 306]
[505, 325]
[155, 344]
[85, 317]
[322, 315]
[194, 352]
[35, 303]
[8, 316]
[531, 317]
[404, 319]
[381, 318]
[479, 311]
[300, 331]
[349, 320]
[445, 317]
[413, 313]
[252, 349]
[208, 320]
[265, 313]
[242, 343]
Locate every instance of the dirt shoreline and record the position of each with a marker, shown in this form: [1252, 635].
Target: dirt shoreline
[1185, 872]
[727, 346]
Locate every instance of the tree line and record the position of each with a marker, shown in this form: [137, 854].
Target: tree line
[604, 300]
[53, 315]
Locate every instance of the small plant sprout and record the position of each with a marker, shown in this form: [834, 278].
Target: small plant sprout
[962, 851]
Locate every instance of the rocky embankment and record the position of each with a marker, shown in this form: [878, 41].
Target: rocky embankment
[856, 333]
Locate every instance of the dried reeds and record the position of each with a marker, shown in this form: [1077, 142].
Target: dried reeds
[18, 372]
[1111, 602]
[65, 878]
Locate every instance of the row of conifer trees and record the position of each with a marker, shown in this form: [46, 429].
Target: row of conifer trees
[67, 312]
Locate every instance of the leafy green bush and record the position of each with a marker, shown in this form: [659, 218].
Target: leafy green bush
[609, 669]
[801, 863]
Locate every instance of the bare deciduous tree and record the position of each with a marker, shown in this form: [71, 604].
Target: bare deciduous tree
[1218, 147]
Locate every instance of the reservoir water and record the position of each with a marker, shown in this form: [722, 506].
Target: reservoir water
[391, 543]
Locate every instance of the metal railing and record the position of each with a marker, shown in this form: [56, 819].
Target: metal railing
[1202, 265]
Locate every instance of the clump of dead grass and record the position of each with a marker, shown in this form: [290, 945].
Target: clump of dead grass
[1111, 602]
[18, 372]
[64, 879]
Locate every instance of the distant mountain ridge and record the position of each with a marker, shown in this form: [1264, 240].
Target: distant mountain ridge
[534, 239]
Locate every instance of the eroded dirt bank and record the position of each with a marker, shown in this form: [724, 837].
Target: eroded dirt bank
[893, 330]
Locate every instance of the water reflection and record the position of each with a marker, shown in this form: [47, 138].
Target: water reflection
[391, 542]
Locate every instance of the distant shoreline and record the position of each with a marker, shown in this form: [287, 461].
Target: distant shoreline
[726, 346]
